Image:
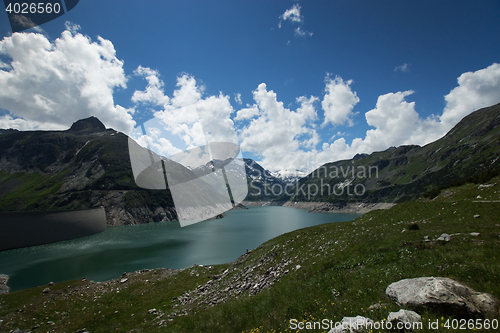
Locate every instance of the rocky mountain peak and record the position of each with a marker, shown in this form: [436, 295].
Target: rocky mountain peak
[90, 124]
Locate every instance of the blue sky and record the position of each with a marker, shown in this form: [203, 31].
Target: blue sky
[295, 83]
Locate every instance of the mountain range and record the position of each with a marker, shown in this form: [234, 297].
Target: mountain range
[89, 166]
[404, 173]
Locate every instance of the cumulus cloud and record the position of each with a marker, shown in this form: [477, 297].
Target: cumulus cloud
[50, 85]
[154, 90]
[405, 68]
[288, 139]
[187, 119]
[475, 90]
[277, 133]
[396, 122]
[394, 119]
[338, 101]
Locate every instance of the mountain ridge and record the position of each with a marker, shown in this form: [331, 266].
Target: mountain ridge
[89, 166]
[406, 172]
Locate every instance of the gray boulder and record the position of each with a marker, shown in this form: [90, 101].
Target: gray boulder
[4, 288]
[352, 325]
[408, 319]
[444, 237]
[443, 295]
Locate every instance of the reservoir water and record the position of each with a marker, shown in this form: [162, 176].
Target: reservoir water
[107, 255]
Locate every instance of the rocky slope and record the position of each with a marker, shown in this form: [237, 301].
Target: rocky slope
[85, 166]
[261, 182]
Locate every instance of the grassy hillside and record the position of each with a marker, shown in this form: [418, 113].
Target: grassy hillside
[334, 270]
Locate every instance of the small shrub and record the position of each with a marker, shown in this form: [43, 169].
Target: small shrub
[414, 226]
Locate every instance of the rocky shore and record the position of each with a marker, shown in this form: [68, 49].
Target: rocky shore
[325, 207]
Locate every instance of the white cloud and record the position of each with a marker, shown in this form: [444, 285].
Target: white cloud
[154, 90]
[395, 122]
[299, 32]
[247, 113]
[405, 68]
[237, 98]
[475, 90]
[338, 102]
[292, 14]
[50, 85]
[186, 120]
[279, 134]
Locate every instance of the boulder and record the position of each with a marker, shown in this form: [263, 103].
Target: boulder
[352, 324]
[406, 317]
[444, 237]
[442, 295]
[4, 289]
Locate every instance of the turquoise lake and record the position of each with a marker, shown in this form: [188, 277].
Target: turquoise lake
[129, 248]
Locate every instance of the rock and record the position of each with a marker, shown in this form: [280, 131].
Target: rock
[477, 216]
[83, 330]
[444, 237]
[426, 239]
[443, 295]
[123, 280]
[486, 185]
[406, 317]
[352, 324]
[51, 283]
[153, 310]
[377, 306]
[46, 290]
[475, 234]
[4, 288]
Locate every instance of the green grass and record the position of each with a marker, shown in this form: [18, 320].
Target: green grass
[29, 191]
[345, 268]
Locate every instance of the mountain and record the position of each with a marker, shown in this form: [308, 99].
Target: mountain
[289, 176]
[261, 182]
[406, 172]
[89, 166]
[85, 166]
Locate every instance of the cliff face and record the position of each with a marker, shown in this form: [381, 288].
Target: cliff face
[86, 166]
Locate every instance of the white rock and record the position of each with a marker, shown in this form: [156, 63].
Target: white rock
[444, 237]
[442, 294]
[406, 317]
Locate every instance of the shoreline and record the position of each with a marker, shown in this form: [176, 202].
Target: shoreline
[325, 207]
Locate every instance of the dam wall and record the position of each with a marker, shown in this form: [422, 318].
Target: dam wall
[21, 229]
